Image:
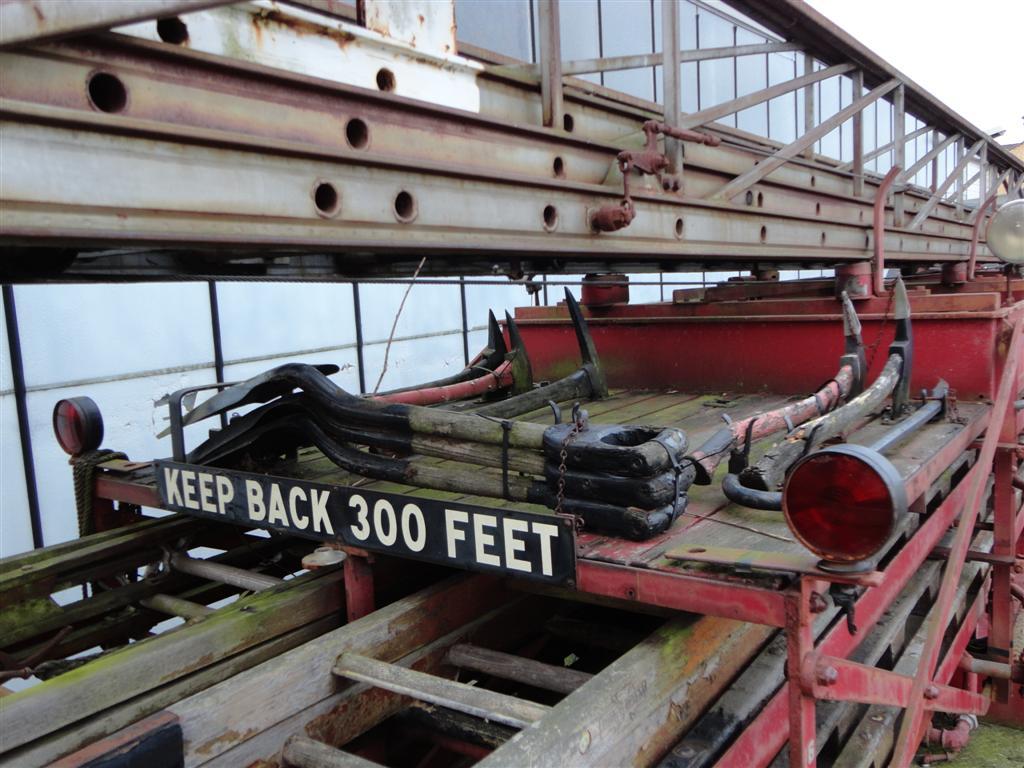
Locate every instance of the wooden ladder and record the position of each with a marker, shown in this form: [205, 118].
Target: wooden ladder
[491, 706]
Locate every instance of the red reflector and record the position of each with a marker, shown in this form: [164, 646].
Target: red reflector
[78, 425]
[843, 502]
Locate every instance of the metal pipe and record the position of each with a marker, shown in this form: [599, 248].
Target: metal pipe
[671, 74]
[985, 667]
[972, 259]
[921, 416]
[175, 606]
[225, 574]
[878, 226]
[21, 407]
[218, 347]
[735, 491]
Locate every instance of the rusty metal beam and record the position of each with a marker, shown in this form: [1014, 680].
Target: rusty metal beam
[235, 119]
[797, 20]
[640, 60]
[858, 137]
[758, 172]
[930, 157]
[938, 619]
[710, 114]
[899, 128]
[550, 64]
[940, 191]
[879, 151]
[25, 21]
[670, 73]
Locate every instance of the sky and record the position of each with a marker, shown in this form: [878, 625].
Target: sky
[969, 55]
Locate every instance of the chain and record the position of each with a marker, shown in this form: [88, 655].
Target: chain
[881, 330]
[577, 427]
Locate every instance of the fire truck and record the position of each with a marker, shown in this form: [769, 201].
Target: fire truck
[760, 522]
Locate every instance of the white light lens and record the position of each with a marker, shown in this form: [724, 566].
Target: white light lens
[1006, 232]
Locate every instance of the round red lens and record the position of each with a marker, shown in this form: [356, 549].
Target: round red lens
[77, 425]
[843, 503]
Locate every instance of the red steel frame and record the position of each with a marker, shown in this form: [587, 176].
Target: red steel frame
[821, 672]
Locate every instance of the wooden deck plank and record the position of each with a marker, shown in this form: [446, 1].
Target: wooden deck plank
[142, 666]
[634, 710]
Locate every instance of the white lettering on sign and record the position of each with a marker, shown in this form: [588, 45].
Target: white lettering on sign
[358, 503]
[225, 493]
[277, 513]
[490, 540]
[206, 493]
[451, 533]
[254, 501]
[512, 544]
[484, 540]
[387, 533]
[188, 489]
[299, 520]
[318, 502]
[171, 484]
[411, 512]
[547, 532]
[487, 551]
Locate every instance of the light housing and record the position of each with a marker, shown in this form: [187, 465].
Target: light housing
[1005, 234]
[77, 425]
[843, 504]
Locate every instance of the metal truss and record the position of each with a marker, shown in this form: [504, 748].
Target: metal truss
[127, 156]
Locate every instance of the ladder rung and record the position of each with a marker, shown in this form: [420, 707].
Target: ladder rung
[516, 668]
[303, 752]
[480, 702]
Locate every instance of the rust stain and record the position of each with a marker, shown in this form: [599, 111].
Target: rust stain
[303, 27]
[40, 16]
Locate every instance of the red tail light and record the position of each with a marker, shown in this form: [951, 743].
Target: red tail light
[843, 502]
[78, 425]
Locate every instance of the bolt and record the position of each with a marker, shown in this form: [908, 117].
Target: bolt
[828, 676]
[931, 692]
[818, 603]
[584, 742]
[631, 593]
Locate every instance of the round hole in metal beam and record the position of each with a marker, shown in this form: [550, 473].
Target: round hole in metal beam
[326, 199]
[385, 79]
[749, 198]
[814, 181]
[106, 92]
[568, 123]
[823, 237]
[679, 227]
[760, 199]
[550, 218]
[172, 30]
[357, 134]
[405, 206]
[817, 209]
[764, 234]
[559, 168]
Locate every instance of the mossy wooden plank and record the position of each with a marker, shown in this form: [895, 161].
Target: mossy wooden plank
[634, 710]
[142, 666]
[45, 750]
[240, 708]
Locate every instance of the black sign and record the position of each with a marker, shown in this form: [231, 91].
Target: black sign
[525, 544]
